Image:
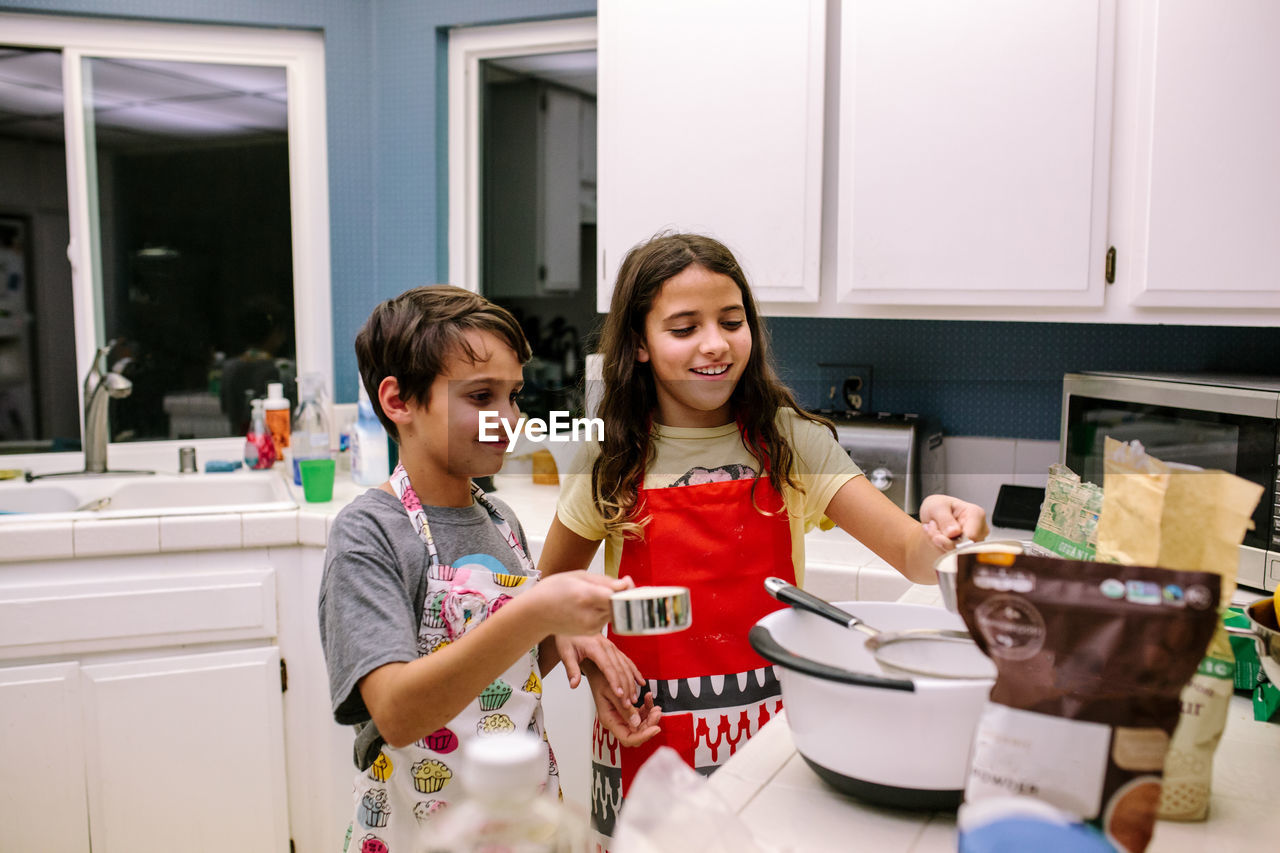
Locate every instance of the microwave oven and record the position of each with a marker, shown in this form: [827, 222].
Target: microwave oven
[1231, 423]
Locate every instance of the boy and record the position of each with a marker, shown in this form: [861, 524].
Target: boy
[435, 626]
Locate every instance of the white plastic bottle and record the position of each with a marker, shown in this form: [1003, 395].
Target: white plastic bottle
[506, 806]
[370, 462]
[310, 438]
[276, 412]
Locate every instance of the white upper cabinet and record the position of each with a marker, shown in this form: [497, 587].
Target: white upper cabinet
[1198, 168]
[711, 120]
[974, 152]
[956, 159]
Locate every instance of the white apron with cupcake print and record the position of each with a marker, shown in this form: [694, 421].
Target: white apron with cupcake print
[397, 797]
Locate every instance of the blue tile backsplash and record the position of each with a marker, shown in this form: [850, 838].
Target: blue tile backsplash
[998, 379]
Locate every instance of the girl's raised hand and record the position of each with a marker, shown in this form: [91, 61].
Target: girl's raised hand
[615, 667]
[631, 725]
[947, 520]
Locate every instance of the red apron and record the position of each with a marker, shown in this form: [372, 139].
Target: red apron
[714, 690]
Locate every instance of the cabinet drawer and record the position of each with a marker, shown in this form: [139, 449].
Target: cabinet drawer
[127, 613]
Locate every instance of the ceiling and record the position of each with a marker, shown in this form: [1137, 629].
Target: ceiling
[576, 70]
[141, 101]
[138, 102]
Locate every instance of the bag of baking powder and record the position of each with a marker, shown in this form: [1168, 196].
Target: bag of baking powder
[1090, 661]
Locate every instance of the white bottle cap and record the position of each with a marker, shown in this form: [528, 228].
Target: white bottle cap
[275, 390]
[505, 766]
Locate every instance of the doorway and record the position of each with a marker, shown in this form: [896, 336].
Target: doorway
[523, 190]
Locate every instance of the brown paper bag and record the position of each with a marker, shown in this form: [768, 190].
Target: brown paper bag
[1177, 517]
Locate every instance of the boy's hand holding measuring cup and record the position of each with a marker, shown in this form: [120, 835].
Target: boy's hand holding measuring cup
[574, 603]
[613, 678]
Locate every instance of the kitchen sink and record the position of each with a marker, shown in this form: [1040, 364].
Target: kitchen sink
[19, 497]
[123, 495]
[201, 490]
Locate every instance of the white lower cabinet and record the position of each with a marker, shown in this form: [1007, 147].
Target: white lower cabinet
[141, 705]
[156, 754]
[186, 752]
[42, 784]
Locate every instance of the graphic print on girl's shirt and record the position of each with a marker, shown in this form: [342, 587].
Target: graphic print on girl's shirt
[698, 475]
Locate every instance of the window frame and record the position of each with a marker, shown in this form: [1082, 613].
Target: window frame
[301, 54]
[468, 47]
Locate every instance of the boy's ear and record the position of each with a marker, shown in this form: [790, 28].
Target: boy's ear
[394, 406]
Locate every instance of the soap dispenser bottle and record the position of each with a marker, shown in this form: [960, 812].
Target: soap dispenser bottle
[259, 449]
[276, 410]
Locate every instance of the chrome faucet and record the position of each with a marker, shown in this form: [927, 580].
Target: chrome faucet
[99, 385]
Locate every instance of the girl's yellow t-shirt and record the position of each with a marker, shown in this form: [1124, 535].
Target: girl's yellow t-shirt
[688, 456]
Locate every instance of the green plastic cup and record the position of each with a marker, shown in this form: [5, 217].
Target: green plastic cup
[317, 479]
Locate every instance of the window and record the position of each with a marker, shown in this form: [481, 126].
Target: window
[163, 192]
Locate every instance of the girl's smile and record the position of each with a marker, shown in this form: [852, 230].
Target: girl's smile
[697, 343]
[714, 370]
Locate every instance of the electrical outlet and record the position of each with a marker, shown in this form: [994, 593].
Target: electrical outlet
[845, 387]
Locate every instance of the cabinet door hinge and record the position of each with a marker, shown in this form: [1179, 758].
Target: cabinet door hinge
[542, 272]
[284, 676]
[1111, 265]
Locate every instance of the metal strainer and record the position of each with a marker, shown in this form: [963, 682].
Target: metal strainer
[935, 652]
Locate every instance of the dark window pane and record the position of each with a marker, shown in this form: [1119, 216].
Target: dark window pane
[195, 248]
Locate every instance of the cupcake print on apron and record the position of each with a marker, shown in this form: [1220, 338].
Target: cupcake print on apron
[405, 787]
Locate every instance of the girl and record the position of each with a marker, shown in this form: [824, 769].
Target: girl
[708, 477]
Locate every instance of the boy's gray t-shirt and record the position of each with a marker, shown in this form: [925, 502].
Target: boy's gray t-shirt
[375, 582]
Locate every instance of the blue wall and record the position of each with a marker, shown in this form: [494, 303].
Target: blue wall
[388, 203]
[385, 82]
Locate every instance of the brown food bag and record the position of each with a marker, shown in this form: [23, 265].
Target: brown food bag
[1090, 661]
[1182, 518]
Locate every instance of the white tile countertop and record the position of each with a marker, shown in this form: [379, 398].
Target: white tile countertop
[787, 807]
[834, 558]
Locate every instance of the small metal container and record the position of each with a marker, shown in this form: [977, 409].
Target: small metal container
[647, 610]
[1262, 619]
[946, 564]
[187, 460]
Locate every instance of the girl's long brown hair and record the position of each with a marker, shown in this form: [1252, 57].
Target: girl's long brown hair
[630, 398]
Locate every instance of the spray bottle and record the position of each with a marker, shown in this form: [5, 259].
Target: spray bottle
[370, 462]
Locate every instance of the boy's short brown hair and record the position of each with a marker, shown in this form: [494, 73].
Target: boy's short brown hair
[412, 336]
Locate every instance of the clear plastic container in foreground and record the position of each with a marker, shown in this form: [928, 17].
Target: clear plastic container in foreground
[508, 805]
